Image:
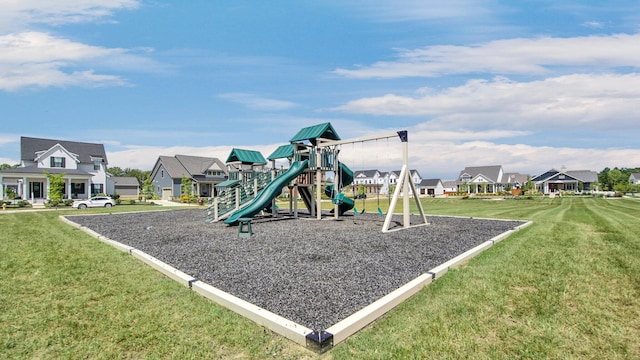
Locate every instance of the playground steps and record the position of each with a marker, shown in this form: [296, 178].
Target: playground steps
[227, 202]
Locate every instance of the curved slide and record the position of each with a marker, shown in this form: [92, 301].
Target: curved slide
[344, 203]
[269, 193]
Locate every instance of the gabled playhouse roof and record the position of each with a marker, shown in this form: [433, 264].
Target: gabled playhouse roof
[30, 147]
[243, 156]
[311, 133]
[282, 152]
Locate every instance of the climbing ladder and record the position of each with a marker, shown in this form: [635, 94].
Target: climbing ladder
[236, 197]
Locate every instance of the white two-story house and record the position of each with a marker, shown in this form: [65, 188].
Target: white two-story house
[379, 182]
[83, 167]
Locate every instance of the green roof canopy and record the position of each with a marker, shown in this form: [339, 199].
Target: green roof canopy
[282, 152]
[251, 157]
[311, 133]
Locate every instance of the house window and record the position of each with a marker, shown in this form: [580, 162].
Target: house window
[162, 174]
[96, 189]
[96, 164]
[57, 162]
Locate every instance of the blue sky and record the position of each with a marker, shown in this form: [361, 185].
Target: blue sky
[530, 85]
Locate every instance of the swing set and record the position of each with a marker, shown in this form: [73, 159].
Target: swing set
[377, 188]
[405, 186]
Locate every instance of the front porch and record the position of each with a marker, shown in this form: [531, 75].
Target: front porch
[35, 187]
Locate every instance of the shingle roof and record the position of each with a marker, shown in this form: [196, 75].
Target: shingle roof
[587, 176]
[430, 182]
[173, 167]
[311, 133]
[366, 173]
[30, 146]
[125, 180]
[282, 152]
[251, 157]
[515, 178]
[199, 164]
[187, 165]
[491, 172]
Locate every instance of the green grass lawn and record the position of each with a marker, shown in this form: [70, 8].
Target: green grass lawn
[566, 287]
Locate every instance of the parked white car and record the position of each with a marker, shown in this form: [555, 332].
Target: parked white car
[96, 201]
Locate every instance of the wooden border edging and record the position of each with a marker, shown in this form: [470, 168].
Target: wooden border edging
[277, 323]
[167, 270]
[352, 324]
[317, 340]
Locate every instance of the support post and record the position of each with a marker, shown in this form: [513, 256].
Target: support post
[406, 183]
[406, 211]
[318, 184]
[216, 213]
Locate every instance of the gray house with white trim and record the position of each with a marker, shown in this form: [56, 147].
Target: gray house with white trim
[204, 172]
[554, 180]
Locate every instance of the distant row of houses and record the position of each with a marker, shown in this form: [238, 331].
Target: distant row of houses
[84, 170]
[481, 179]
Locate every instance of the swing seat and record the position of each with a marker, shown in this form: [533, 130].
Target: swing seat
[380, 212]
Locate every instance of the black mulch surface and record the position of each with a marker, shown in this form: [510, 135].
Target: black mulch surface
[312, 272]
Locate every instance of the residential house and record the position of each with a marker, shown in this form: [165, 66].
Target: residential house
[431, 187]
[562, 180]
[395, 175]
[481, 179]
[127, 187]
[634, 179]
[204, 172]
[379, 182]
[372, 180]
[515, 180]
[450, 187]
[83, 167]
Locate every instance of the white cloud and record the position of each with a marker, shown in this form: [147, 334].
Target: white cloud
[144, 157]
[257, 102]
[8, 139]
[512, 56]
[584, 100]
[432, 156]
[593, 24]
[20, 14]
[418, 10]
[38, 59]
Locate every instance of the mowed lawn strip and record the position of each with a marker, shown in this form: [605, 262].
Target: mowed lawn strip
[63, 294]
[565, 287]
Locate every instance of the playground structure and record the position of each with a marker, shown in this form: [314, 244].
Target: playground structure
[312, 154]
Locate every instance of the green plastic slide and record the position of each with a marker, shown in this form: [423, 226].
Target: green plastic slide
[344, 203]
[269, 193]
